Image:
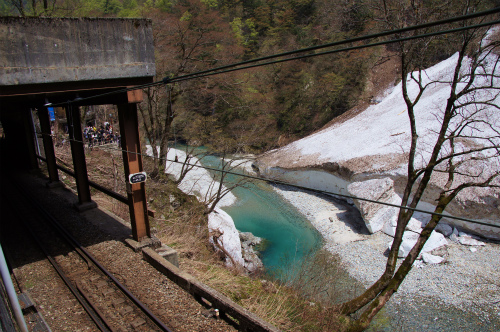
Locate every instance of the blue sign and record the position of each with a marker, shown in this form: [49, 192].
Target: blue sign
[51, 113]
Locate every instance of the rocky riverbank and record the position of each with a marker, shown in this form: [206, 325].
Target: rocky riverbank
[465, 282]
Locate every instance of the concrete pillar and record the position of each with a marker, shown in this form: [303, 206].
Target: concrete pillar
[78, 153]
[132, 161]
[48, 145]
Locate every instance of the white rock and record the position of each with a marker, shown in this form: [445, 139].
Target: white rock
[376, 215]
[431, 259]
[435, 241]
[472, 249]
[409, 240]
[467, 240]
[389, 229]
[414, 225]
[221, 222]
[454, 235]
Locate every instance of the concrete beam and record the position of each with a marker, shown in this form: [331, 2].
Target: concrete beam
[48, 144]
[78, 154]
[36, 50]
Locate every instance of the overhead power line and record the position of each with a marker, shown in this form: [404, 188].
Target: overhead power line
[280, 182]
[386, 42]
[257, 61]
[341, 42]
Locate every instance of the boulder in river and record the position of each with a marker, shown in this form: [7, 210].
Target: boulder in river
[250, 255]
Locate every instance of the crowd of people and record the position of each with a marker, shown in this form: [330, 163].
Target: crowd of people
[98, 136]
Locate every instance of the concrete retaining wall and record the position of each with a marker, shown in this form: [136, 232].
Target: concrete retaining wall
[246, 319]
[50, 50]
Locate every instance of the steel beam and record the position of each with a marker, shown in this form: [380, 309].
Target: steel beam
[48, 145]
[132, 161]
[78, 153]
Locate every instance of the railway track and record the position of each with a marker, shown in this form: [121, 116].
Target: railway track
[108, 304]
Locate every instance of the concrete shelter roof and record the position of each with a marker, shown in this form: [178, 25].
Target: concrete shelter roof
[44, 55]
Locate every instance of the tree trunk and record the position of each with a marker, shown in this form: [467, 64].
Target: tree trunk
[393, 285]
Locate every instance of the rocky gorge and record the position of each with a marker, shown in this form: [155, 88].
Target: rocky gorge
[362, 158]
[456, 280]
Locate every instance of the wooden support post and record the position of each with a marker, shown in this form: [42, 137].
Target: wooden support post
[78, 154]
[48, 145]
[132, 161]
[29, 129]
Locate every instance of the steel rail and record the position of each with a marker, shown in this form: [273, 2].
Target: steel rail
[94, 315]
[97, 186]
[68, 237]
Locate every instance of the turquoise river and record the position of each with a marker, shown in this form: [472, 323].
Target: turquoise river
[262, 211]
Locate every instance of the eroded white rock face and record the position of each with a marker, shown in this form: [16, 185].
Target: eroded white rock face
[198, 181]
[376, 216]
[375, 143]
[222, 226]
[384, 218]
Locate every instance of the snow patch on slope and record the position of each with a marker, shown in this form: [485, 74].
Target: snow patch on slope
[375, 143]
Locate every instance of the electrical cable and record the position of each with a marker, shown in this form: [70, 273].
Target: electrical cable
[284, 183]
[222, 69]
[237, 66]
[183, 78]
[342, 42]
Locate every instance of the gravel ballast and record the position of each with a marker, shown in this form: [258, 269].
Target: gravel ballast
[164, 298]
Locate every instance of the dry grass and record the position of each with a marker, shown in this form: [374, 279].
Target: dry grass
[184, 228]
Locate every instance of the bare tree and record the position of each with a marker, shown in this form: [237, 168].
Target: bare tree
[34, 7]
[465, 152]
[157, 116]
[191, 38]
[220, 185]
[187, 164]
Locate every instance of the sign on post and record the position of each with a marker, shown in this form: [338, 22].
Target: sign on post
[137, 177]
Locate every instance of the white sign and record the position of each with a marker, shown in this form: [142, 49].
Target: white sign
[137, 177]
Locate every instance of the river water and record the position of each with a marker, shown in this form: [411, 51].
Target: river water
[289, 236]
[291, 239]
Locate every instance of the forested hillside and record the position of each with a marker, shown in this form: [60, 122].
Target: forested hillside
[261, 108]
